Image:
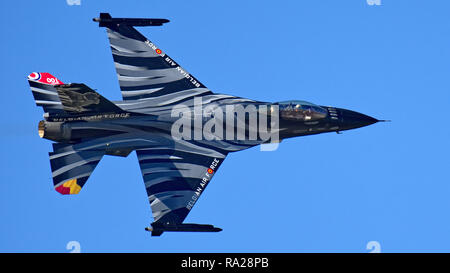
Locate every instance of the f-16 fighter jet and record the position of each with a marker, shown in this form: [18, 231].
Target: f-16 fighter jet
[181, 131]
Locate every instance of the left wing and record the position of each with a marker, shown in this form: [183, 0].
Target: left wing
[176, 177]
[144, 70]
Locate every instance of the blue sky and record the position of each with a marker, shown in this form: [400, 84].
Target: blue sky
[327, 193]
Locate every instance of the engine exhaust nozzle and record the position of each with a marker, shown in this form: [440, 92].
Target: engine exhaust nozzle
[53, 131]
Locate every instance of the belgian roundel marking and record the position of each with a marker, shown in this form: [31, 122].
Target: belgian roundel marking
[158, 51]
[210, 171]
[34, 76]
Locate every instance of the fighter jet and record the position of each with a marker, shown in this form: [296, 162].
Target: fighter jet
[181, 131]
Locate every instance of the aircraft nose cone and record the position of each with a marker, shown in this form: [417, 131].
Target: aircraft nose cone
[351, 120]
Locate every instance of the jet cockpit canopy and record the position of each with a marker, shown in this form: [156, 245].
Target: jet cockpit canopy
[300, 110]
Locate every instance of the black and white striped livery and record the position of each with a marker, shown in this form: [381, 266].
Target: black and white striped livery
[159, 95]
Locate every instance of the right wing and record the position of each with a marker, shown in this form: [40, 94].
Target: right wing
[176, 177]
[143, 69]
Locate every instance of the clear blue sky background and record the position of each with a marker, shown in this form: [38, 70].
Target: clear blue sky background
[388, 182]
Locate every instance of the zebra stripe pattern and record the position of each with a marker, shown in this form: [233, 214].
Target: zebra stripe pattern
[71, 168]
[46, 96]
[175, 179]
[144, 70]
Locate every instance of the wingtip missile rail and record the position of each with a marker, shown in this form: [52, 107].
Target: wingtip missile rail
[105, 19]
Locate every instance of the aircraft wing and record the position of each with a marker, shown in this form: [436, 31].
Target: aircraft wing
[143, 69]
[176, 177]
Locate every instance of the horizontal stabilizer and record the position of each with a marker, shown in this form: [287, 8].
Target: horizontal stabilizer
[70, 168]
[42, 86]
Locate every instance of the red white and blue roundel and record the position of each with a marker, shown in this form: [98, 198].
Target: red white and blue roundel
[44, 77]
[34, 76]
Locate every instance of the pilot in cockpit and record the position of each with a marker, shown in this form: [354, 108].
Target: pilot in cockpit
[301, 110]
